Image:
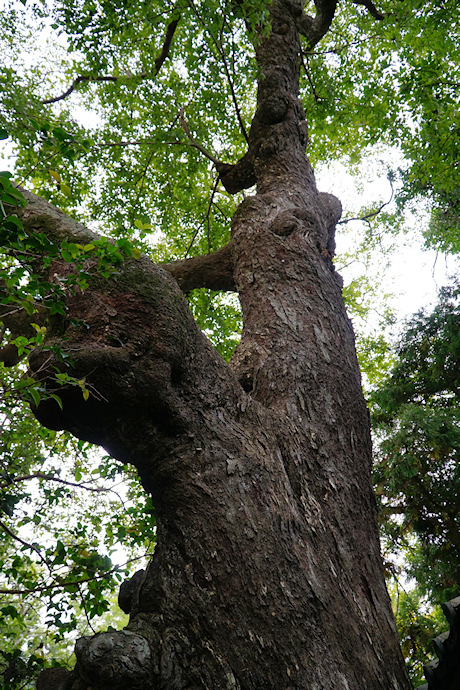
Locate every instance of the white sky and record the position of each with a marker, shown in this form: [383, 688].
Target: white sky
[414, 274]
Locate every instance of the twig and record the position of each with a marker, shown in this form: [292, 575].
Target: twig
[310, 80]
[25, 543]
[193, 141]
[193, 239]
[372, 214]
[83, 603]
[227, 71]
[52, 478]
[74, 583]
[208, 212]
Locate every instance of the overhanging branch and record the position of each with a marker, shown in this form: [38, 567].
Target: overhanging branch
[166, 47]
[234, 176]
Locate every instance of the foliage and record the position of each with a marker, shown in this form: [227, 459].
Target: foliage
[54, 573]
[417, 624]
[416, 420]
[394, 82]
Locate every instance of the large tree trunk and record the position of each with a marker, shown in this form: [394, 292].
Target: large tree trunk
[267, 572]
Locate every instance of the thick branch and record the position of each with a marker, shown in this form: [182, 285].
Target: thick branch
[213, 271]
[137, 325]
[238, 176]
[314, 28]
[371, 8]
[170, 30]
[40, 216]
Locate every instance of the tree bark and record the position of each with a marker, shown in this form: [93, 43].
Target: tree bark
[267, 571]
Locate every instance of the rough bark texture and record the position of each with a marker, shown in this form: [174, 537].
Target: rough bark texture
[267, 572]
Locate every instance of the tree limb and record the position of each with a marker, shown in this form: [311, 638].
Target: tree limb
[213, 271]
[314, 28]
[170, 30]
[238, 176]
[371, 8]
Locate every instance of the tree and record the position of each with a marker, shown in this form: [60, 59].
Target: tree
[267, 570]
[416, 416]
[415, 419]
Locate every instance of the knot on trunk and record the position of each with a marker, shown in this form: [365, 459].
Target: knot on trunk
[129, 590]
[115, 660]
[273, 109]
[332, 210]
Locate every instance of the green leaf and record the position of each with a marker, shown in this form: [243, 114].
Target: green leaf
[66, 255]
[61, 134]
[35, 395]
[55, 175]
[14, 220]
[57, 399]
[10, 199]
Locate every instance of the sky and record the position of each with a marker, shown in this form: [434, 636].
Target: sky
[409, 271]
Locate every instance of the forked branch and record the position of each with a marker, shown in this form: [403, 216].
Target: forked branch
[314, 28]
